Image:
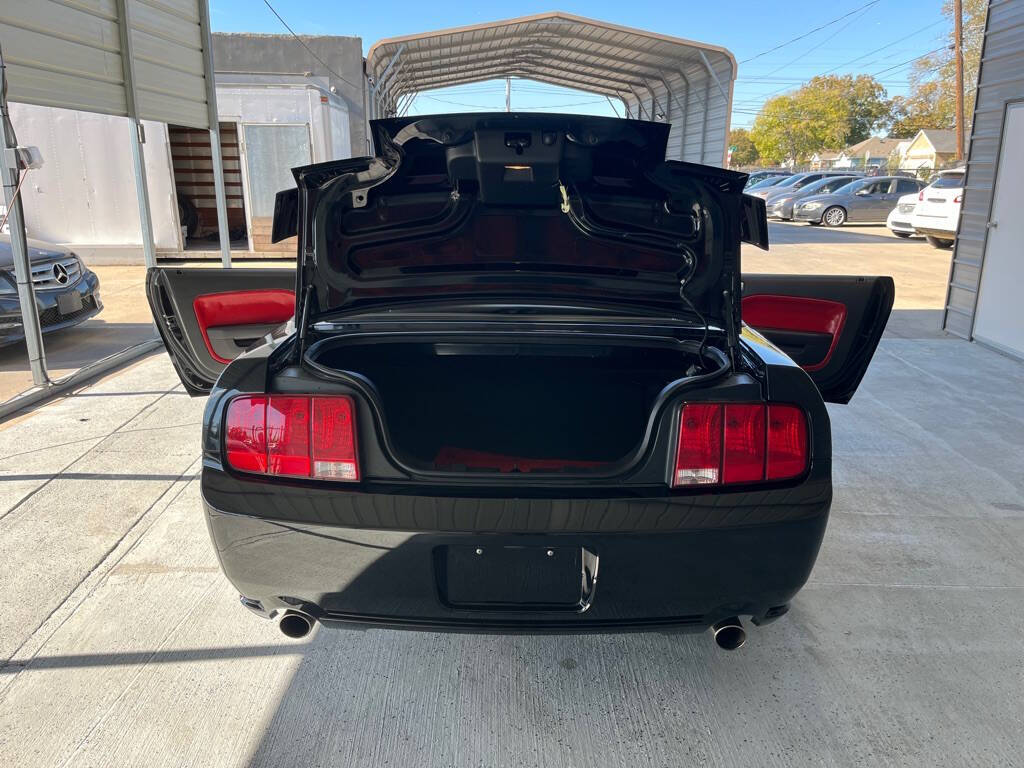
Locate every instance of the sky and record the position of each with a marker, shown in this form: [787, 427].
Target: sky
[879, 38]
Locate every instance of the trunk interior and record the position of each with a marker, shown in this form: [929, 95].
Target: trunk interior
[513, 407]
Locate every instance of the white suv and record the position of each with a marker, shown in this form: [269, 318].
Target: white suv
[938, 208]
[898, 221]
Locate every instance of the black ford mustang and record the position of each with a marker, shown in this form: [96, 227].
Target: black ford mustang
[522, 390]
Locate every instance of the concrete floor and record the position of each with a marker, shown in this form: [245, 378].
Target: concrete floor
[126, 647]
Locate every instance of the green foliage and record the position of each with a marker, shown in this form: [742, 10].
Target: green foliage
[828, 112]
[745, 153]
[932, 99]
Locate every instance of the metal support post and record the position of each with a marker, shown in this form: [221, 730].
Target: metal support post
[136, 134]
[216, 156]
[141, 191]
[19, 244]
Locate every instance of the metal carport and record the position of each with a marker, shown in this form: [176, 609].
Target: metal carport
[656, 77]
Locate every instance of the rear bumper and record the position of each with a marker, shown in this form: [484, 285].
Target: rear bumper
[934, 231]
[658, 567]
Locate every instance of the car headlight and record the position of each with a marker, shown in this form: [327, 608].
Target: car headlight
[811, 206]
[8, 286]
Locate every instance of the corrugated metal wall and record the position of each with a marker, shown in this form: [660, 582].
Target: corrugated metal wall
[69, 54]
[1000, 80]
[698, 107]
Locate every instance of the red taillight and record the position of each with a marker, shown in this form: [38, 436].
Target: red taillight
[739, 443]
[787, 442]
[292, 436]
[959, 198]
[743, 456]
[288, 436]
[699, 456]
[920, 196]
[334, 439]
[245, 434]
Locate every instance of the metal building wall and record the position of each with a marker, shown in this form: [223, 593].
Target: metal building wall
[1000, 80]
[68, 55]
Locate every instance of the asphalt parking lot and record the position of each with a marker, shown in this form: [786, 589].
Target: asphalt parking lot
[121, 643]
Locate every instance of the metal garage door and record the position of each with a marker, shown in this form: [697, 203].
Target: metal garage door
[999, 319]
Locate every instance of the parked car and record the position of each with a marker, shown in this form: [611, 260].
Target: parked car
[67, 292]
[798, 182]
[937, 213]
[863, 201]
[899, 220]
[780, 205]
[766, 187]
[764, 184]
[510, 374]
[755, 176]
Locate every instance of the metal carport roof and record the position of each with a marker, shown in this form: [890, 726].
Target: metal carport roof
[657, 77]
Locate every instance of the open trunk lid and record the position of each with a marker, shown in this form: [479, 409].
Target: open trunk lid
[553, 209]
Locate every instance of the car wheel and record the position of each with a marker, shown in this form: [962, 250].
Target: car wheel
[834, 217]
[938, 242]
[902, 234]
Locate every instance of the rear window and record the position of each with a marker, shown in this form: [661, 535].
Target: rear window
[950, 181]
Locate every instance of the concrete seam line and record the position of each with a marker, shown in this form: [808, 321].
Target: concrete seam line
[82, 376]
[104, 566]
[74, 461]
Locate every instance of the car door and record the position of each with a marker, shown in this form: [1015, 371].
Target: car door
[829, 325]
[207, 317]
[867, 202]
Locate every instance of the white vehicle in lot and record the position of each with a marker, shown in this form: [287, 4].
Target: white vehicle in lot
[898, 221]
[938, 208]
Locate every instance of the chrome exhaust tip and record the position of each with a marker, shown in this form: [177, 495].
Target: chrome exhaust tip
[295, 625]
[729, 634]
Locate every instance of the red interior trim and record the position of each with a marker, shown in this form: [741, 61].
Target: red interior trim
[270, 306]
[770, 312]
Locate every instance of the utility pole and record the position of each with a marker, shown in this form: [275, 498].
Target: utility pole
[508, 92]
[958, 53]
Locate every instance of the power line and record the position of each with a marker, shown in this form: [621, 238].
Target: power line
[798, 58]
[871, 53]
[310, 50]
[909, 61]
[808, 34]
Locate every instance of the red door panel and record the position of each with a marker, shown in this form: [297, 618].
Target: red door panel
[829, 325]
[268, 307]
[773, 312]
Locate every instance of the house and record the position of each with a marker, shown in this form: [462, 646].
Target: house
[873, 151]
[930, 148]
[823, 159]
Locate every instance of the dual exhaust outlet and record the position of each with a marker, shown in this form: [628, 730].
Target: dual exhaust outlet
[295, 625]
[728, 633]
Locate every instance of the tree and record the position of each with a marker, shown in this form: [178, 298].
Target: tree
[745, 153]
[829, 112]
[931, 102]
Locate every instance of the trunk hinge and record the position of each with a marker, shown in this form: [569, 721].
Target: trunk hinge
[731, 327]
[303, 323]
